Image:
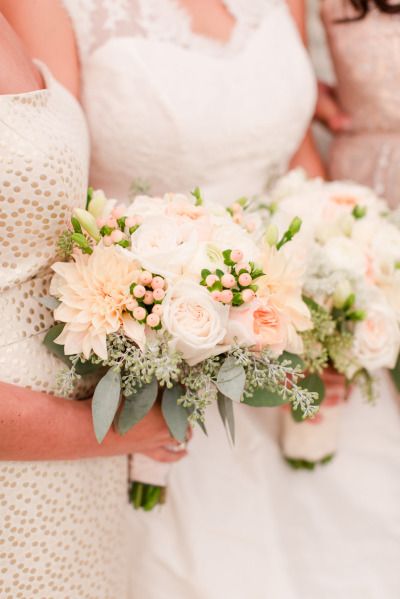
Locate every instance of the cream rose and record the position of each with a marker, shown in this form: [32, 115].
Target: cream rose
[342, 253]
[377, 338]
[162, 246]
[196, 322]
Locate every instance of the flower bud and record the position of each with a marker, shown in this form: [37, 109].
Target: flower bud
[228, 281]
[245, 279]
[236, 256]
[131, 221]
[97, 203]
[242, 266]
[226, 296]
[158, 282]
[131, 305]
[272, 235]
[107, 240]
[139, 291]
[112, 223]
[119, 211]
[295, 225]
[148, 298]
[153, 320]
[117, 236]
[158, 294]
[248, 295]
[157, 309]
[146, 277]
[87, 222]
[342, 292]
[139, 313]
[216, 295]
[210, 280]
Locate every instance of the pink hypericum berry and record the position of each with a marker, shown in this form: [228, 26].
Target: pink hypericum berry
[131, 221]
[245, 279]
[158, 283]
[210, 280]
[236, 207]
[157, 309]
[117, 236]
[119, 211]
[111, 222]
[242, 266]
[148, 298]
[139, 313]
[216, 295]
[228, 281]
[107, 240]
[159, 294]
[100, 222]
[226, 296]
[153, 320]
[146, 277]
[139, 291]
[236, 256]
[131, 305]
[248, 295]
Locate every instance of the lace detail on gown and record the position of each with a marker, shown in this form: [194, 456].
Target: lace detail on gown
[96, 21]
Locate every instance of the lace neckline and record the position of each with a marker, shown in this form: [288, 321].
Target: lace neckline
[248, 16]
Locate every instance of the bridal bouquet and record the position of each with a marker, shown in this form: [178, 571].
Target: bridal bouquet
[176, 302]
[349, 252]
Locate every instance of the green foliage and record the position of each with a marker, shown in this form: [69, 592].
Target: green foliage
[176, 416]
[313, 383]
[196, 193]
[105, 403]
[231, 379]
[395, 374]
[136, 406]
[225, 409]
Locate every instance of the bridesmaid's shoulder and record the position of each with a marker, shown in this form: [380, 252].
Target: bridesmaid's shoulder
[46, 32]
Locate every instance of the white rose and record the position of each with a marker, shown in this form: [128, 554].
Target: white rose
[342, 253]
[196, 322]
[163, 247]
[206, 256]
[377, 338]
[146, 206]
[230, 236]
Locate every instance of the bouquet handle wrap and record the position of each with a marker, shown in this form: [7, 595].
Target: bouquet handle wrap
[314, 441]
[148, 471]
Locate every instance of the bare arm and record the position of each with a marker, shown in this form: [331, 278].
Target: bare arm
[307, 155]
[38, 426]
[46, 32]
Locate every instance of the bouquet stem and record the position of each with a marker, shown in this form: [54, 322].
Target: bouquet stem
[145, 496]
[148, 478]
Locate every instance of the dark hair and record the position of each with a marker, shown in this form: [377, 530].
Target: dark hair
[363, 7]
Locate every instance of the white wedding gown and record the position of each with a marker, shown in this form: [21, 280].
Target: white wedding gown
[174, 109]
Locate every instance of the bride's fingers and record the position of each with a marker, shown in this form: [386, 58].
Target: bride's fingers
[163, 454]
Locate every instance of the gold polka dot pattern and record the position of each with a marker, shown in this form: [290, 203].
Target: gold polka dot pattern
[61, 523]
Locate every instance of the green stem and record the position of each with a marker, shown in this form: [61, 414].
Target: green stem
[145, 496]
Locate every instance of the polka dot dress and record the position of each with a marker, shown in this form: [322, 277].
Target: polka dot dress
[61, 523]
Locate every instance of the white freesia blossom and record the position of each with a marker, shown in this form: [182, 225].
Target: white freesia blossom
[197, 324]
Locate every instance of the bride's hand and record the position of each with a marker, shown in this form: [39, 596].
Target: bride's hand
[152, 438]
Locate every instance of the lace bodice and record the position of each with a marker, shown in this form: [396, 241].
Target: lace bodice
[176, 109]
[367, 61]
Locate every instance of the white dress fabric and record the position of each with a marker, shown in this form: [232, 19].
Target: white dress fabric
[173, 110]
[62, 522]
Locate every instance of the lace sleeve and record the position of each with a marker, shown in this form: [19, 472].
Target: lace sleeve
[96, 21]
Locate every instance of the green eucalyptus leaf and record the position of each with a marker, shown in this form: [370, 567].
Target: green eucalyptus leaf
[48, 301]
[293, 358]
[55, 348]
[176, 416]
[225, 408]
[136, 406]
[312, 382]
[265, 398]
[105, 403]
[395, 374]
[231, 379]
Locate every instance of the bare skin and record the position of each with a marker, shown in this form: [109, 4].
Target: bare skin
[38, 426]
